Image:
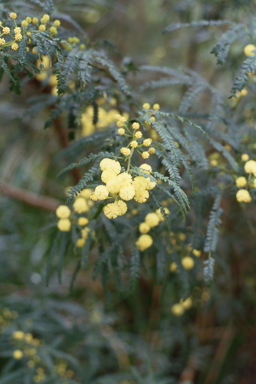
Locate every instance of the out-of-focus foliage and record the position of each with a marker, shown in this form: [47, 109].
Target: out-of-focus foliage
[164, 293]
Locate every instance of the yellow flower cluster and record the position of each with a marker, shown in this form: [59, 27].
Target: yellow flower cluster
[27, 347]
[63, 371]
[243, 195]
[249, 50]
[144, 242]
[135, 135]
[19, 33]
[6, 317]
[151, 221]
[179, 308]
[81, 205]
[121, 185]
[105, 118]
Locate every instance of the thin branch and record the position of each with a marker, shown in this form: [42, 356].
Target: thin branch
[29, 198]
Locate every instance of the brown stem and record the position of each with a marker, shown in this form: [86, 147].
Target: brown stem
[30, 198]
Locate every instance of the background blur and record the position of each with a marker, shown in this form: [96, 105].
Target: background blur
[137, 340]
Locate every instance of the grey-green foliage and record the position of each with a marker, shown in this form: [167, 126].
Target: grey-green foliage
[181, 161]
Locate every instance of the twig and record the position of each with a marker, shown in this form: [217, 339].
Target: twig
[30, 198]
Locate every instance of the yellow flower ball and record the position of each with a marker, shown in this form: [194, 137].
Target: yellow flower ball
[151, 151]
[187, 303]
[140, 182]
[111, 211]
[135, 125]
[6, 30]
[35, 20]
[63, 212]
[17, 354]
[177, 310]
[182, 236]
[173, 267]
[18, 37]
[145, 155]
[2, 41]
[80, 243]
[152, 219]
[24, 23]
[107, 175]
[196, 252]
[56, 23]
[80, 205]
[144, 242]
[138, 135]
[113, 185]
[14, 46]
[188, 262]
[241, 182]
[250, 166]
[17, 30]
[46, 17]
[141, 195]
[41, 27]
[134, 144]
[214, 163]
[110, 164]
[127, 193]
[125, 151]
[147, 142]
[248, 50]
[18, 335]
[244, 157]
[156, 107]
[101, 192]
[146, 106]
[146, 168]
[152, 118]
[144, 228]
[13, 15]
[64, 225]
[121, 131]
[53, 30]
[83, 221]
[86, 193]
[124, 179]
[28, 19]
[34, 51]
[243, 196]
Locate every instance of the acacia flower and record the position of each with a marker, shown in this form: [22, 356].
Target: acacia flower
[64, 225]
[63, 212]
[145, 155]
[138, 134]
[135, 125]
[125, 151]
[134, 144]
[127, 192]
[243, 196]
[152, 219]
[101, 192]
[144, 228]
[144, 242]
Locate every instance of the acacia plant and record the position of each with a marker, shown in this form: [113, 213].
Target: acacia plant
[151, 181]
